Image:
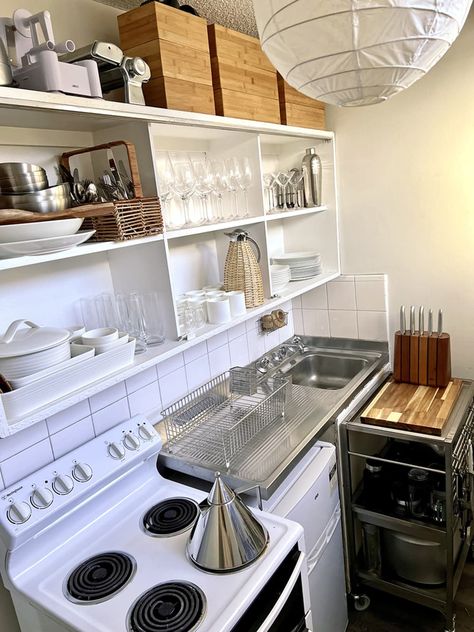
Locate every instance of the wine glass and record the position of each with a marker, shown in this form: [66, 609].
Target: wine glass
[268, 184]
[244, 180]
[295, 183]
[219, 185]
[165, 189]
[184, 181]
[232, 179]
[203, 189]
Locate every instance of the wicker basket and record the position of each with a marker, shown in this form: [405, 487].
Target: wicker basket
[128, 219]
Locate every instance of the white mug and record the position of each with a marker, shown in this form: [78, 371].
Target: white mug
[218, 310]
[237, 303]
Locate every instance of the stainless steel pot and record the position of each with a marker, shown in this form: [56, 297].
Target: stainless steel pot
[415, 560]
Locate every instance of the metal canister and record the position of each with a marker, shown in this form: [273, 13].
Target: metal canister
[312, 178]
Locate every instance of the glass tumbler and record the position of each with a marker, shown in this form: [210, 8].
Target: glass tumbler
[131, 319]
[152, 319]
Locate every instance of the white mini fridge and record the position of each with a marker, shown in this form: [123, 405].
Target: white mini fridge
[310, 496]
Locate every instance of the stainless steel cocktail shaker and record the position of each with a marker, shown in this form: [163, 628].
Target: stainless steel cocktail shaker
[312, 178]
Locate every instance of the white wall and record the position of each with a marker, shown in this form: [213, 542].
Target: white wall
[406, 184]
[83, 21]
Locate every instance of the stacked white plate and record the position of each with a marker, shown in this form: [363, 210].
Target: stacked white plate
[303, 264]
[281, 276]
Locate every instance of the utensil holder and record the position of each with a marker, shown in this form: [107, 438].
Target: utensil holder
[127, 219]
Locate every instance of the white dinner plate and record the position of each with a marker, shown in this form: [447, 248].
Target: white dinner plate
[39, 230]
[43, 246]
[290, 257]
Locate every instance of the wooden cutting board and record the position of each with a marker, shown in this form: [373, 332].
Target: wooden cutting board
[411, 407]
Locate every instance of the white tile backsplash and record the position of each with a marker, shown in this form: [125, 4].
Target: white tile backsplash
[138, 381]
[343, 323]
[315, 299]
[27, 461]
[315, 322]
[341, 296]
[372, 325]
[217, 341]
[239, 351]
[370, 295]
[198, 372]
[219, 360]
[111, 415]
[170, 365]
[145, 399]
[237, 331]
[173, 386]
[67, 417]
[195, 352]
[22, 440]
[72, 437]
[107, 397]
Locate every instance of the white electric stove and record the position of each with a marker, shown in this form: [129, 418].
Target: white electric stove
[96, 542]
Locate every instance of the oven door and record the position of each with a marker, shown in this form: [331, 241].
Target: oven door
[280, 606]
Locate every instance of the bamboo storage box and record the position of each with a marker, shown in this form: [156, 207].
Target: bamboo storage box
[245, 82]
[298, 109]
[175, 46]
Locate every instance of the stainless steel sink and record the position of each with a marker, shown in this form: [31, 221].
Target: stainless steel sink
[325, 370]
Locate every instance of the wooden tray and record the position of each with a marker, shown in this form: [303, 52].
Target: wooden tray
[424, 409]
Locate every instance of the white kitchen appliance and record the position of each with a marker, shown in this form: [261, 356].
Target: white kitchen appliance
[96, 540]
[310, 495]
[33, 56]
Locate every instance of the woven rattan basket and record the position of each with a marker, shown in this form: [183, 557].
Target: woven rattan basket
[128, 219]
[242, 273]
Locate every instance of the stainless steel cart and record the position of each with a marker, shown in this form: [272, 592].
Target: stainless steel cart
[371, 525]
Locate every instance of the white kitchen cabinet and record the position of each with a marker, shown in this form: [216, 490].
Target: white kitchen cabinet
[37, 127]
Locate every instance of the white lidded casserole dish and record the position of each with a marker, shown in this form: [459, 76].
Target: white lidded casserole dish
[28, 350]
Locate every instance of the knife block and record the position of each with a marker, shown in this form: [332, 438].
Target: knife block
[422, 359]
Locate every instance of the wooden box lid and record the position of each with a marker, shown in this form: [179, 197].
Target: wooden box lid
[157, 21]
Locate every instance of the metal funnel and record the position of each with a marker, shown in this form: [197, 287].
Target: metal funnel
[226, 536]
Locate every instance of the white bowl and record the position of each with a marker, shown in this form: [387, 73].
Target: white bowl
[101, 336]
[121, 340]
[40, 230]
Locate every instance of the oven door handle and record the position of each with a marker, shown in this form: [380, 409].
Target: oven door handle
[275, 611]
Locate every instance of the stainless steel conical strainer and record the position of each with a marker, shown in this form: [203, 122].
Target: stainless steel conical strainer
[226, 536]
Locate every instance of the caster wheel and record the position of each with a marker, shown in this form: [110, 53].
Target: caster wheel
[452, 628]
[361, 602]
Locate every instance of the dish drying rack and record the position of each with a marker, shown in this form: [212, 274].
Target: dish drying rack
[217, 420]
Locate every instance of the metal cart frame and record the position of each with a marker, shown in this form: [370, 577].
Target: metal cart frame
[456, 441]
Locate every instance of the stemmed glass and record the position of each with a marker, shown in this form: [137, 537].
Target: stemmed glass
[295, 183]
[269, 183]
[165, 188]
[184, 181]
[232, 179]
[203, 189]
[244, 180]
[219, 185]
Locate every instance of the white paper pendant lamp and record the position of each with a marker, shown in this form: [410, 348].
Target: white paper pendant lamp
[356, 52]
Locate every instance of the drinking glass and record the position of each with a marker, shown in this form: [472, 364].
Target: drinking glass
[131, 319]
[151, 316]
[203, 175]
[268, 184]
[244, 180]
[219, 185]
[165, 189]
[184, 181]
[232, 181]
[107, 310]
[297, 188]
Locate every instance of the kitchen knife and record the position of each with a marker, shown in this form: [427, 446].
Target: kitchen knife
[115, 173]
[443, 359]
[432, 351]
[423, 350]
[414, 347]
[405, 370]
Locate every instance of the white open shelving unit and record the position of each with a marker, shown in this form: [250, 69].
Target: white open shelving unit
[37, 127]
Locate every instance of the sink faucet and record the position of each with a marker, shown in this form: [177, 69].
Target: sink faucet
[297, 342]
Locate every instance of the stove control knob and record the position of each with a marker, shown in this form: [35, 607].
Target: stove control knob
[41, 498]
[82, 472]
[116, 450]
[19, 513]
[131, 441]
[146, 433]
[63, 484]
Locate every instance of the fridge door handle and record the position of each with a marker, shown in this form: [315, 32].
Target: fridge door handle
[316, 555]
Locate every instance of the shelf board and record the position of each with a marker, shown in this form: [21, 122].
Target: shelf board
[160, 353]
[210, 228]
[79, 251]
[48, 110]
[302, 211]
[410, 527]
